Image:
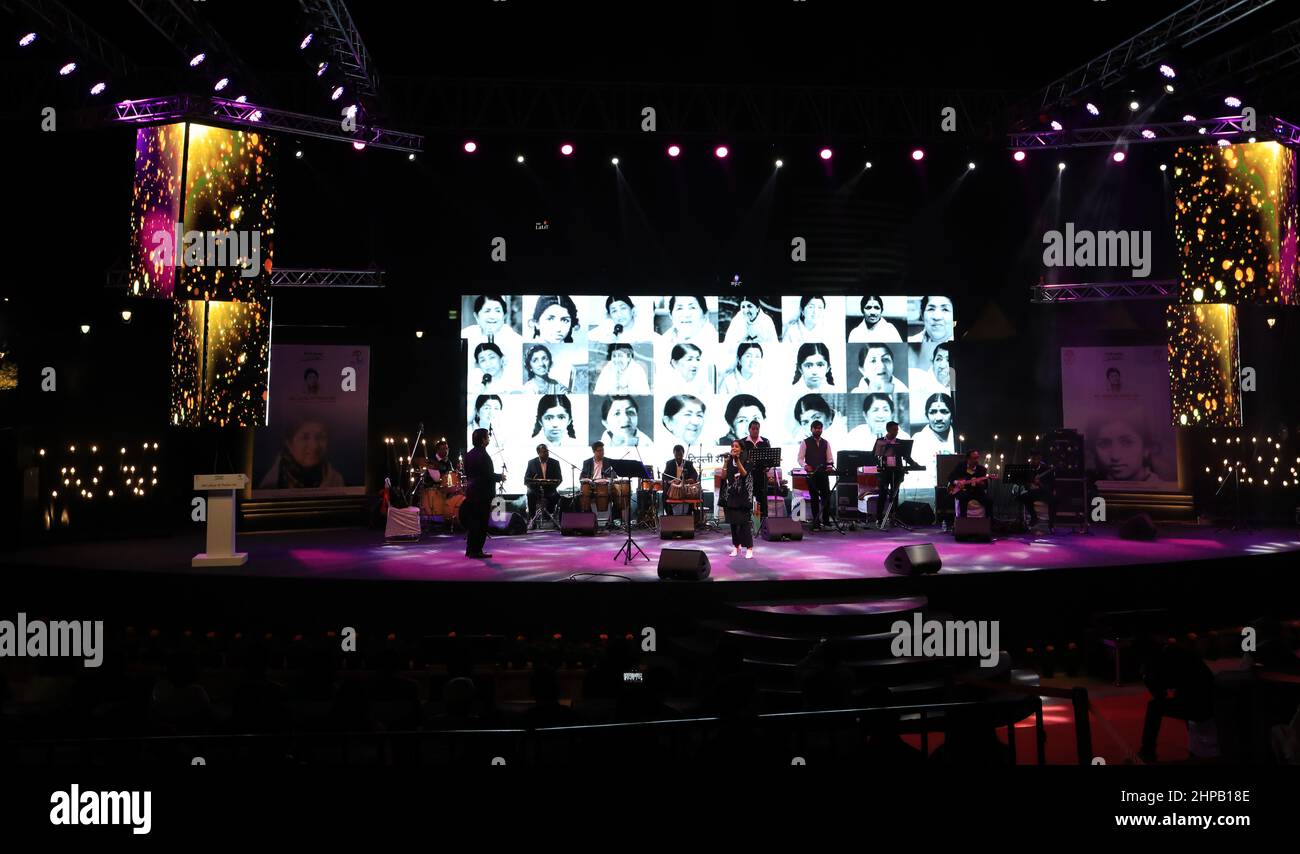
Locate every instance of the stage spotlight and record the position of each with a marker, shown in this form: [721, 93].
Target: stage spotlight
[1118, 156]
[918, 155]
[198, 60]
[970, 166]
[566, 149]
[1163, 167]
[519, 158]
[1169, 88]
[359, 146]
[419, 333]
[85, 329]
[613, 161]
[242, 99]
[1133, 106]
[298, 154]
[98, 88]
[306, 40]
[470, 146]
[256, 116]
[1232, 101]
[1271, 322]
[1092, 109]
[824, 154]
[67, 69]
[27, 39]
[1201, 131]
[126, 317]
[411, 156]
[1168, 71]
[1223, 143]
[1251, 139]
[337, 93]
[780, 163]
[1188, 117]
[868, 166]
[221, 84]
[1019, 157]
[320, 69]
[1148, 134]
[721, 152]
[1060, 167]
[674, 150]
[1057, 125]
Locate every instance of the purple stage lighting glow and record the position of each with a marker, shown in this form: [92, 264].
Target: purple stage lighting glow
[674, 150]
[1118, 156]
[359, 146]
[1232, 101]
[242, 99]
[337, 93]
[720, 152]
[1188, 117]
[67, 69]
[27, 39]
[1092, 108]
[1019, 157]
[222, 84]
[98, 88]
[255, 116]
[320, 69]
[306, 40]
[470, 146]
[918, 155]
[566, 149]
[198, 59]
[825, 154]
[1168, 71]
[1057, 125]
[1148, 134]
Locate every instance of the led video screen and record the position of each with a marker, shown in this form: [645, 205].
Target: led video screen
[220, 358]
[646, 373]
[1204, 365]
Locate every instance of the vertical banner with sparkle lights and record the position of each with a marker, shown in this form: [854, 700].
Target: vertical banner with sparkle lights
[202, 229]
[1204, 365]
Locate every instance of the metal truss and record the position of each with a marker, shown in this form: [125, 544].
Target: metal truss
[1162, 289]
[1228, 126]
[826, 113]
[1182, 29]
[227, 113]
[332, 23]
[61, 20]
[291, 277]
[190, 34]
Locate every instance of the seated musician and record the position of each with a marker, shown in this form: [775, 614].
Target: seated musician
[968, 470]
[595, 467]
[542, 469]
[889, 473]
[679, 470]
[1040, 489]
[441, 461]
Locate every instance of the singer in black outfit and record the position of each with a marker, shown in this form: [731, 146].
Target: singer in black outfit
[889, 477]
[483, 479]
[749, 444]
[683, 470]
[542, 468]
[738, 493]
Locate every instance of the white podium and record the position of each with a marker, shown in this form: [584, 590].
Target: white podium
[221, 519]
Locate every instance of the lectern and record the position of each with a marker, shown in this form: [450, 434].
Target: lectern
[221, 519]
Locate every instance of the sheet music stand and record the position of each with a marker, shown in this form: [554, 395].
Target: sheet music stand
[629, 469]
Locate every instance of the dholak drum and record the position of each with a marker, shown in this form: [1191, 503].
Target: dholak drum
[594, 491]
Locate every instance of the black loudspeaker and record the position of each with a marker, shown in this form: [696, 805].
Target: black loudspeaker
[683, 565]
[781, 528]
[578, 523]
[1140, 527]
[677, 527]
[973, 530]
[913, 560]
[916, 513]
[514, 524]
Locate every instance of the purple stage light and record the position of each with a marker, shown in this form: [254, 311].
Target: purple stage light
[255, 116]
[27, 39]
[1188, 117]
[337, 93]
[1019, 157]
[1232, 101]
[242, 99]
[359, 146]
[825, 154]
[1148, 134]
[1118, 156]
[306, 40]
[1057, 125]
[222, 84]
[321, 68]
[98, 88]
[918, 155]
[721, 152]
[470, 146]
[67, 69]
[566, 149]
[1168, 71]
[1092, 108]
[198, 59]
[674, 150]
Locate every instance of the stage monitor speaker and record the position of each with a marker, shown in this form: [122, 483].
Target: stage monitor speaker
[683, 565]
[578, 523]
[1139, 527]
[515, 523]
[914, 560]
[916, 513]
[969, 530]
[777, 528]
[677, 527]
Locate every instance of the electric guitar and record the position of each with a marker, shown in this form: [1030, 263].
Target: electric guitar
[958, 485]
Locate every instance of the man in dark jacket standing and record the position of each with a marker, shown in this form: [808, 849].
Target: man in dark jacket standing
[483, 479]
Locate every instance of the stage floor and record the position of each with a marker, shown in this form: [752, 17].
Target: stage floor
[359, 554]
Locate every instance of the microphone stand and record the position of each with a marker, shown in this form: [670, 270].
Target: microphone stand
[654, 524]
[573, 477]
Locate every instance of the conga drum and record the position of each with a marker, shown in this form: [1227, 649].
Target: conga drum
[622, 494]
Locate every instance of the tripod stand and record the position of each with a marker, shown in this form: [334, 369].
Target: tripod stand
[888, 516]
[629, 544]
[543, 500]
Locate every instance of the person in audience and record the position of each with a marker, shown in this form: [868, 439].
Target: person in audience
[1181, 687]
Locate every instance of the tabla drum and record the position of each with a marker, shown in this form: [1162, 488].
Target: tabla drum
[693, 491]
[594, 492]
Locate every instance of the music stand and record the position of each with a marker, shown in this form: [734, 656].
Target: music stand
[541, 508]
[903, 463]
[628, 469]
[760, 461]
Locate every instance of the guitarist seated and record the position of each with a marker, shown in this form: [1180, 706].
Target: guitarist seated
[968, 481]
[1040, 489]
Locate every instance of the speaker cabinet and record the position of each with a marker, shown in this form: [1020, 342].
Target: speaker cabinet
[781, 528]
[1139, 527]
[914, 560]
[578, 523]
[916, 513]
[683, 565]
[677, 527]
[968, 530]
[515, 523]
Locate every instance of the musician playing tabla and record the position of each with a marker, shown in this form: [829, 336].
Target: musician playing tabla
[538, 478]
[679, 470]
[971, 480]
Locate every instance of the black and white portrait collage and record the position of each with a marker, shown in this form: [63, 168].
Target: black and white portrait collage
[645, 373]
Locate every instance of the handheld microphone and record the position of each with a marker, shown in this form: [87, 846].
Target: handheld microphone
[618, 329]
[487, 378]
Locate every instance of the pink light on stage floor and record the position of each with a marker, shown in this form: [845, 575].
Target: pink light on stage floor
[566, 149]
[470, 146]
[1118, 156]
[674, 150]
[918, 155]
[721, 152]
[1019, 157]
[825, 154]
